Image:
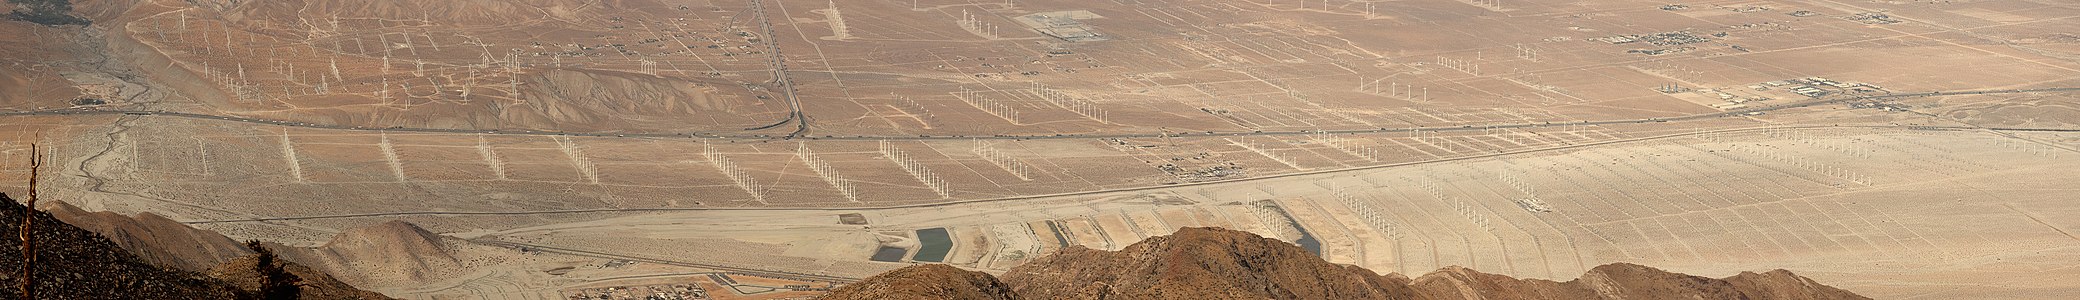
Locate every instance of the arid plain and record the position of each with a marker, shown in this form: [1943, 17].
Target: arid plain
[770, 148]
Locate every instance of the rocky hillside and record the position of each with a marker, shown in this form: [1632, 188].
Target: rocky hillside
[74, 263]
[1213, 263]
[244, 274]
[386, 254]
[157, 240]
[927, 282]
[382, 254]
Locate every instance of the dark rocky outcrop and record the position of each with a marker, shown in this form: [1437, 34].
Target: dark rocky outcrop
[244, 273]
[73, 263]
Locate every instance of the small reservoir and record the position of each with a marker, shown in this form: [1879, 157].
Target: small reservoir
[935, 244]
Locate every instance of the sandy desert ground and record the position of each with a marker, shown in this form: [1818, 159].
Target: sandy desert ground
[770, 148]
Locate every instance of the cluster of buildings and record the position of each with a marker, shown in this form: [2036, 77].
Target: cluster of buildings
[1064, 25]
[1811, 87]
[1675, 38]
[645, 292]
[1816, 87]
[1873, 18]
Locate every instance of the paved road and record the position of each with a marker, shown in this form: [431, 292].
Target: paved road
[1732, 113]
[779, 64]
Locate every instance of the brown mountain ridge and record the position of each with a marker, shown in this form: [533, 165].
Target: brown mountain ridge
[78, 263]
[384, 253]
[1215, 263]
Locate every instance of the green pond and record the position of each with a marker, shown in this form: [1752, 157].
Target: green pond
[936, 242]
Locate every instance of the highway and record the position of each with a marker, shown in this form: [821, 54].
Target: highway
[1731, 113]
[778, 62]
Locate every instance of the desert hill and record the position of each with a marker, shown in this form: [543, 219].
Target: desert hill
[155, 239]
[389, 252]
[1214, 263]
[378, 255]
[75, 263]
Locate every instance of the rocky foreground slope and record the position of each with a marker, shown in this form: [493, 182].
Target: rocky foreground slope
[1213, 263]
[75, 263]
[392, 252]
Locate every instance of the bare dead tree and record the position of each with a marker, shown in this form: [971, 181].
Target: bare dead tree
[29, 226]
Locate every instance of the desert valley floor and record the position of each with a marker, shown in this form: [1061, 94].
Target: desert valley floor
[769, 148]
